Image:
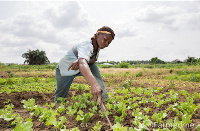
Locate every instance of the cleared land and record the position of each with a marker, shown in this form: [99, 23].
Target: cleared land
[139, 98]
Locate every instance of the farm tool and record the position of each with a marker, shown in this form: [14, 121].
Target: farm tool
[103, 108]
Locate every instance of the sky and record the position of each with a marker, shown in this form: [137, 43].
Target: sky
[168, 30]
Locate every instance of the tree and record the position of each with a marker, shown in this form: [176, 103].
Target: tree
[191, 60]
[35, 57]
[176, 61]
[155, 60]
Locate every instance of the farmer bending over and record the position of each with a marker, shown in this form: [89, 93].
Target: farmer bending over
[80, 61]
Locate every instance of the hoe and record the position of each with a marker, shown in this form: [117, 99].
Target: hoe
[103, 108]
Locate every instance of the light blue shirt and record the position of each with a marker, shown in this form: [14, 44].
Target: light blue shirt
[85, 50]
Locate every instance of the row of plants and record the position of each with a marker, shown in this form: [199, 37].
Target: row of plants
[20, 84]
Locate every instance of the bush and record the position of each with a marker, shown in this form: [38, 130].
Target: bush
[139, 74]
[155, 60]
[123, 65]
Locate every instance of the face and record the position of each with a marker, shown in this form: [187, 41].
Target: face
[103, 40]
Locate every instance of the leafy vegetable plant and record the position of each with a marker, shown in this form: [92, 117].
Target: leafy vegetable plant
[84, 117]
[97, 127]
[159, 116]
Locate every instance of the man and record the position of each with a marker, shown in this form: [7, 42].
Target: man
[80, 60]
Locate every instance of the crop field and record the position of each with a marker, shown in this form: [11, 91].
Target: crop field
[141, 99]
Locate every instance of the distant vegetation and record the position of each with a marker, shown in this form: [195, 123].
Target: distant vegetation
[35, 57]
[154, 62]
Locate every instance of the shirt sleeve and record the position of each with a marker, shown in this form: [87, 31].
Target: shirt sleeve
[85, 51]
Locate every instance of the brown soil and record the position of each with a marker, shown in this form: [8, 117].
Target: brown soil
[3, 74]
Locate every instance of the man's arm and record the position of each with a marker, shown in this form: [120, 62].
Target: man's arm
[95, 87]
[92, 61]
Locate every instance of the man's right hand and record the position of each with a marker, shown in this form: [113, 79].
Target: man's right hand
[74, 66]
[96, 91]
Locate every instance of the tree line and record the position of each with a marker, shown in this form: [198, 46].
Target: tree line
[156, 60]
[37, 57]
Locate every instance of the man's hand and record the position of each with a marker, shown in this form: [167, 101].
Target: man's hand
[74, 66]
[96, 91]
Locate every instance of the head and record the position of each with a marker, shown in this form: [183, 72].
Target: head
[104, 36]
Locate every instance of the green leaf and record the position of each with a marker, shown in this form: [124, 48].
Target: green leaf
[169, 122]
[51, 121]
[118, 127]
[27, 126]
[97, 127]
[79, 118]
[186, 119]
[63, 119]
[147, 122]
[198, 127]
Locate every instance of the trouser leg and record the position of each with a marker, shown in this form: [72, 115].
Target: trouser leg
[96, 73]
[63, 84]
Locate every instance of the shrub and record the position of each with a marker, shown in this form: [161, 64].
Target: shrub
[139, 74]
[123, 65]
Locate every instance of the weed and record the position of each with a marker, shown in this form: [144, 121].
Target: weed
[139, 74]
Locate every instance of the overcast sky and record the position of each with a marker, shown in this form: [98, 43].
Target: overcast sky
[167, 30]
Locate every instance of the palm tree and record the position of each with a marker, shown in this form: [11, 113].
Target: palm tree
[35, 57]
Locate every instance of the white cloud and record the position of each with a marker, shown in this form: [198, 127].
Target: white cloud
[194, 21]
[164, 15]
[66, 15]
[171, 17]
[41, 24]
[168, 30]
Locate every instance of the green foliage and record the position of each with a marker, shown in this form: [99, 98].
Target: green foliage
[93, 109]
[191, 60]
[187, 107]
[155, 60]
[119, 119]
[61, 108]
[9, 85]
[29, 105]
[147, 109]
[6, 113]
[71, 110]
[62, 100]
[35, 57]
[97, 127]
[193, 76]
[118, 127]
[83, 117]
[120, 107]
[103, 114]
[57, 124]
[26, 126]
[47, 114]
[38, 110]
[139, 74]
[159, 116]
[123, 65]
[173, 95]
[198, 127]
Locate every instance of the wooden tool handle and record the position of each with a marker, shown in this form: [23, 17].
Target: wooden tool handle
[103, 108]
